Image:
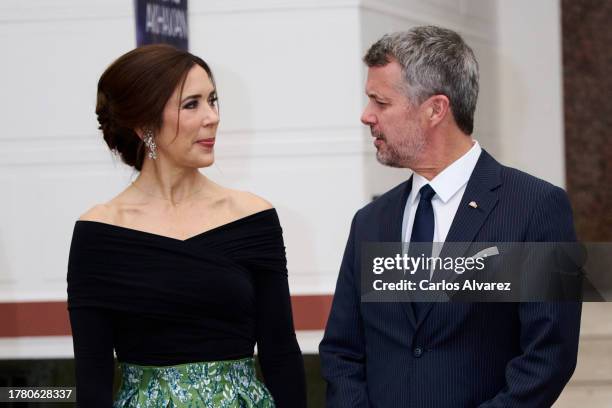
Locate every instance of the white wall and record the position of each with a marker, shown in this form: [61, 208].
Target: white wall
[52, 164]
[531, 135]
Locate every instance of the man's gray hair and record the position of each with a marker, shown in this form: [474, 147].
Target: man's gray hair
[434, 61]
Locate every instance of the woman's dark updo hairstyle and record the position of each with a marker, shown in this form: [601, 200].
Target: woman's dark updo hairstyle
[133, 91]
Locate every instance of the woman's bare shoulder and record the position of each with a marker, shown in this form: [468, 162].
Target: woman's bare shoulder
[106, 213]
[109, 212]
[245, 203]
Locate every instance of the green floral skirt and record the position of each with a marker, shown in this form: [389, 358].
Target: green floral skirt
[215, 384]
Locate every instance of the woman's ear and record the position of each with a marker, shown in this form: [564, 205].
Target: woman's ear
[140, 132]
[143, 131]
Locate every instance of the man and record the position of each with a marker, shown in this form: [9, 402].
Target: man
[422, 87]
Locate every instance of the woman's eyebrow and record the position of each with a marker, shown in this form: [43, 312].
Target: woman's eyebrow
[196, 96]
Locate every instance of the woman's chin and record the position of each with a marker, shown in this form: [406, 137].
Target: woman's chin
[206, 161]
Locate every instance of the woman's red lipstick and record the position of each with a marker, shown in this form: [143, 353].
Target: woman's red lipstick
[210, 142]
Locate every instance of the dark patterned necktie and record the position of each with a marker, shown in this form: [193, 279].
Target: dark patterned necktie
[422, 233]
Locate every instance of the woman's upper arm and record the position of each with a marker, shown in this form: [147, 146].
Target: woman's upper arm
[279, 353]
[91, 323]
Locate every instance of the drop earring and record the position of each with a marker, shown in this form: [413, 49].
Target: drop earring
[150, 143]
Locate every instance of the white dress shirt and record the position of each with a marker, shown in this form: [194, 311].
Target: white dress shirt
[449, 186]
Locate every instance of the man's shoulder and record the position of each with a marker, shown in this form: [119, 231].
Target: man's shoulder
[517, 183]
[509, 179]
[545, 207]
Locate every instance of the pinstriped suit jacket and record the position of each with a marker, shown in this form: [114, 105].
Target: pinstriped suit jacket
[457, 355]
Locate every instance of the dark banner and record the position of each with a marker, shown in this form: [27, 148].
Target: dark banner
[162, 21]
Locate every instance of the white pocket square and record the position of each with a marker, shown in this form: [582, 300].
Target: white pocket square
[485, 253]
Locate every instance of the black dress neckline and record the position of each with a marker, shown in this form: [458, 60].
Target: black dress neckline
[219, 228]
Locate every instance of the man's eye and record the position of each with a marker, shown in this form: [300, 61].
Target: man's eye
[191, 105]
[380, 103]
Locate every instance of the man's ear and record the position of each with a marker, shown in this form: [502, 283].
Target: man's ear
[437, 107]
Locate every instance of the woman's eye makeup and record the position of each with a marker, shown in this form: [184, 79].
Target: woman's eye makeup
[191, 104]
[194, 103]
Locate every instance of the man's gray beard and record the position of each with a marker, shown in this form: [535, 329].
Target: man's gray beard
[405, 153]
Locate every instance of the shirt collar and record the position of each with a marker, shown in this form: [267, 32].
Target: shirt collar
[451, 179]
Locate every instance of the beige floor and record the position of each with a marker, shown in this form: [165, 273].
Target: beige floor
[591, 385]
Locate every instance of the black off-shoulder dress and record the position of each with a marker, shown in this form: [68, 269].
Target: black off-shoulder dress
[163, 302]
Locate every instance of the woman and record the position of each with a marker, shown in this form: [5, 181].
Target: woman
[178, 275]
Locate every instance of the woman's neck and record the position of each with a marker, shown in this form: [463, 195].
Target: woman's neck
[172, 185]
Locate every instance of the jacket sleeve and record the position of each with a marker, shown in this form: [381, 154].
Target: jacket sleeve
[549, 330]
[342, 350]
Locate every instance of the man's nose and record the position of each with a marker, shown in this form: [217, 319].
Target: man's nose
[367, 117]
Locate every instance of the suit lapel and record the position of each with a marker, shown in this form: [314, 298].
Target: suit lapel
[469, 220]
[391, 229]
[480, 189]
[393, 213]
